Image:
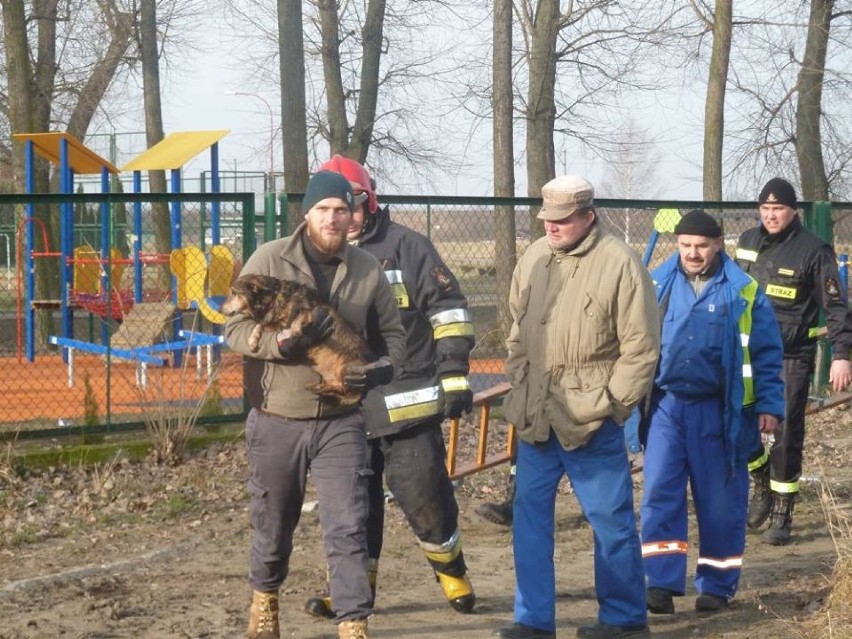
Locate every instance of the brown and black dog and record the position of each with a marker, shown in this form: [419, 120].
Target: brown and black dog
[278, 304]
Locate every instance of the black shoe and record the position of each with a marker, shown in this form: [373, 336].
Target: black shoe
[660, 601]
[605, 631]
[778, 533]
[710, 603]
[500, 514]
[760, 506]
[520, 631]
[319, 607]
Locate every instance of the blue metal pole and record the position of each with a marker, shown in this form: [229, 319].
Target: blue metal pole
[137, 238]
[66, 234]
[106, 257]
[176, 244]
[843, 267]
[215, 230]
[29, 153]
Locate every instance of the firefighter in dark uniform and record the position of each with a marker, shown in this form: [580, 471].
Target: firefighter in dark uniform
[403, 421]
[799, 273]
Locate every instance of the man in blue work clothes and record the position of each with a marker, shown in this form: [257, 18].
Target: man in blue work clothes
[718, 387]
[581, 353]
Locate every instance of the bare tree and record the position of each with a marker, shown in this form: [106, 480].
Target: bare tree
[631, 173]
[801, 52]
[352, 141]
[504, 159]
[293, 109]
[721, 24]
[148, 43]
[809, 109]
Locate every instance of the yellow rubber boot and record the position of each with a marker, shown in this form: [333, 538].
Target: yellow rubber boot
[447, 561]
[263, 616]
[459, 592]
[352, 629]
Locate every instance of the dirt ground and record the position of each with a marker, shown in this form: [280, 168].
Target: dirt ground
[136, 550]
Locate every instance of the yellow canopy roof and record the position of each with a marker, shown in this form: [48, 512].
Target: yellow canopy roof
[175, 150]
[81, 159]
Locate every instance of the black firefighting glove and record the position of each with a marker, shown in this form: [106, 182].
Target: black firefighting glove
[458, 398]
[319, 328]
[364, 377]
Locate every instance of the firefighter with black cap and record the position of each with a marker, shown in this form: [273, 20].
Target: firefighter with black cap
[798, 271]
[403, 419]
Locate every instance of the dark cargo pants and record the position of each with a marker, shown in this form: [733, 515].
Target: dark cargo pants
[785, 455]
[413, 463]
[280, 452]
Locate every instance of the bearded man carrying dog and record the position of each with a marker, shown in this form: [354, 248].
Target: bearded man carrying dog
[290, 430]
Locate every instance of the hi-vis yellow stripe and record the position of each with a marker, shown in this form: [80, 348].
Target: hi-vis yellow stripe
[400, 292]
[784, 292]
[452, 323]
[747, 255]
[450, 384]
[759, 462]
[786, 487]
[413, 404]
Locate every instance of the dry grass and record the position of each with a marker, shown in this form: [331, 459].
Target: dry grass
[834, 621]
[8, 473]
[173, 407]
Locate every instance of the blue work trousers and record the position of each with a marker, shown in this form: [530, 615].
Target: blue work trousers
[600, 475]
[280, 452]
[686, 445]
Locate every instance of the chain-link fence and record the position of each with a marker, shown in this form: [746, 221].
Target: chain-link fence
[108, 307]
[166, 259]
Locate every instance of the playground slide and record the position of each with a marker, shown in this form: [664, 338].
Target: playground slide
[191, 270]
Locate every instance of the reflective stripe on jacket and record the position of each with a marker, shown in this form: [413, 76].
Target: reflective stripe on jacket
[438, 329]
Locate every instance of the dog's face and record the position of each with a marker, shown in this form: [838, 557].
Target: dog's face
[252, 295]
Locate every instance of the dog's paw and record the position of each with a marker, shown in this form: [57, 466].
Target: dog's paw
[254, 338]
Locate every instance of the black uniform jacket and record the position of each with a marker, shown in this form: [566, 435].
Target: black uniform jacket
[798, 271]
[438, 329]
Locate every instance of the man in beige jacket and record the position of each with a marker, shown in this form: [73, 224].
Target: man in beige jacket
[581, 354]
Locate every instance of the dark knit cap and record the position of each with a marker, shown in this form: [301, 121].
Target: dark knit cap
[698, 222]
[778, 191]
[325, 184]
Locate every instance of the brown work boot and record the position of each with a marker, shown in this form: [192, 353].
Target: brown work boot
[352, 629]
[263, 616]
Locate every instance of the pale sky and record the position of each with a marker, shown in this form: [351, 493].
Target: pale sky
[194, 99]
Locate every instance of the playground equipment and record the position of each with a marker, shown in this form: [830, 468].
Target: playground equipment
[71, 158]
[89, 274]
[170, 154]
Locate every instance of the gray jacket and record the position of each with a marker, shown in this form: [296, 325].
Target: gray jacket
[359, 290]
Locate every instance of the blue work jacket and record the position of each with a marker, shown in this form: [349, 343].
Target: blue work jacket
[761, 336]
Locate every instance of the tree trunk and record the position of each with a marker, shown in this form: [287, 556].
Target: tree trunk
[541, 110]
[809, 110]
[504, 161]
[714, 105]
[92, 93]
[154, 134]
[368, 95]
[338, 125]
[19, 78]
[292, 71]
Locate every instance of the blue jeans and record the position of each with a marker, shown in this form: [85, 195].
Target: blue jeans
[600, 475]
